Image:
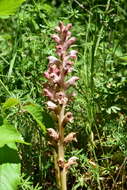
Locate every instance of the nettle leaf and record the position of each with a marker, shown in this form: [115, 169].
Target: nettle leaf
[10, 167]
[10, 102]
[36, 112]
[8, 7]
[8, 134]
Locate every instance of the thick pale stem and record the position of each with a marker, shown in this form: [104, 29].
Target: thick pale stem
[57, 169]
[63, 181]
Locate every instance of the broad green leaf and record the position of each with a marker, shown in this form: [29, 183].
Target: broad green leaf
[8, 7]
[8, 134]
[10, 102]
[9, 167]
[36, 112]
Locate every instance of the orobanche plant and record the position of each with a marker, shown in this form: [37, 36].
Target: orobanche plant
[56, 89]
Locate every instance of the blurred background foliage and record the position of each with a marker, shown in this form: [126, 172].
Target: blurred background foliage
[100, 107]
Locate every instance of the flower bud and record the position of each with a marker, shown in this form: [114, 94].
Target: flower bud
[68, 35]
[69, 42]
[68, 67]
[72, 54]
[55, 78]
[56, 38]
[70, 162]
[68, 118]
[53, 60]
[71, 81]
[52, 133]
[61, 98]
[49, 93]
[57, 28]
[69, 26]
[51, 105]
[59, 50]
[61, 26]
[70, 137]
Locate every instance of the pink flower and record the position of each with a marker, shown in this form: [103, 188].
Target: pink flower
[51, 105]
[55, 78]
[62, 27]
[68, 118]
[68, 67]
[61, 98]
[52, 133]
[57, 28]
[53, 60]
[69, 26]
[56, 38]
[53, 69]
[71, 161]
[46, 74]
[70, 137]
[68, 35]
[72, 54]
[59, 50]
[49, 93]
[53, 74]
[69, 42]
[71, 81]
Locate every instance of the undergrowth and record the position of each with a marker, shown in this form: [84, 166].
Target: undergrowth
[99, 108]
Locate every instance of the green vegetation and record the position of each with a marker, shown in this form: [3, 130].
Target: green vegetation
[100, 106]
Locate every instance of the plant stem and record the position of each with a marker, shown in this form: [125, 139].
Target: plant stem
[57, 169]
[63, 181]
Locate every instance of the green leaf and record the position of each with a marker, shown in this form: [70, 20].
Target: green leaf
[11, 65]
[9, 167]
[8, 7]
[10, 102]
[36, 112]
[8, 134]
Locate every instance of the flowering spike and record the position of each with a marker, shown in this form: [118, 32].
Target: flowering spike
[56, 92]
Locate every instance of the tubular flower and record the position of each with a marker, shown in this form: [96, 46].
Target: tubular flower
[53, 134]
[70, 162]
[70, 137]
